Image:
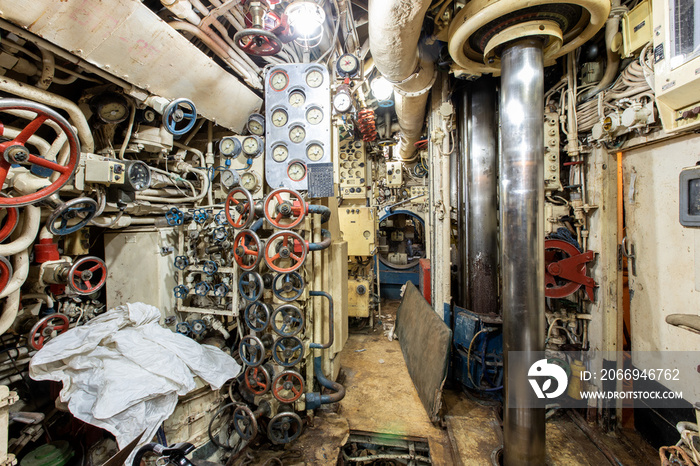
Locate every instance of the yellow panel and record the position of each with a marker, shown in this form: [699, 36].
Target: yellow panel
[636, 29]
[358, 228]
[358, 304]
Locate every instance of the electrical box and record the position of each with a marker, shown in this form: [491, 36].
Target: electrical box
[421, 191]
[358, 228]
[104, 171]
[358, 297]
[352, 166]
[689, 193]
[394, 176]
[551, 152]
[636, 29]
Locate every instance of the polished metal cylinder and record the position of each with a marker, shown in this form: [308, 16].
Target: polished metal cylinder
[522, 243]
[482, 216]
[461, 292]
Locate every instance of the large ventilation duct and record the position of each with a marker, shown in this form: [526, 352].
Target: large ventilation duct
[394, 30]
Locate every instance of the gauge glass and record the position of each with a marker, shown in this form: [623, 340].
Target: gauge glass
[256, 124]
[280, 153]
[139, 176]
[342, 102]
[296, 171]
[279, 118]
[249, 181]
[251, 145]
[113, 111]
[297, 99]
[314, 152]
[297, 134]
[279, 80]
[230, 147]
[229, 178]
[314, 78]
[314, 115]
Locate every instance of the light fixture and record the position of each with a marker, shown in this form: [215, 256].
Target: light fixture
[306, 19]
[382, 89]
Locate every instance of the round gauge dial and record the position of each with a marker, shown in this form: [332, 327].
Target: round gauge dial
[279, 80]
[279, 117]
[113, 112]
[314, 152]
[314, 78]
[342, 102]
[252, 146]
[230, 147]
[347, 65]
[249, 181]
[280, 153]
[297, 99]
[230, 178]
[297, 134]
[256, 124]
[314, 115]
[296, 171]
[138, 176]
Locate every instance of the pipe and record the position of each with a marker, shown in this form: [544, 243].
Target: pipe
[394, 30]
[522, 243]
[9, 312]
[322, 210]
[48, 68]
[20, 270]
[41, 297]
[463, 108]
[331, 329]
[315, 399]
[482, 213]
[321, 245]
[30, 227]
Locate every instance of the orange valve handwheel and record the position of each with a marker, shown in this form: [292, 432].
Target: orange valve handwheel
[285, 208]
[87, 275]
[285, 251]
[239, 208]
[247, 250]
[47, 328]
[257, 379]
[288, 386]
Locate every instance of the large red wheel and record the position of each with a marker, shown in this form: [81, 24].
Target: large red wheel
[285, 251]
[285, 208]
[87, 275]
[288, 386]
[9, 222]
[5, 273]
[257, 379]
[259, 42]
[47, 328]
[247, 250]
[16, 152]
[239, 208]
[555, 251]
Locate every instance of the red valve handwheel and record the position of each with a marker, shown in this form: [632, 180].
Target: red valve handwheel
[11, 220]
[247, 249]
[285, 213]
[47, 328]
[257, 379]
[15, 151]
[245, 208]
[87, 275]
[5, 273]
[285, 246]
[258, 42]
[288, 386]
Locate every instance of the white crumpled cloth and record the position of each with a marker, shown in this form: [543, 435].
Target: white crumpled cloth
[123, 372]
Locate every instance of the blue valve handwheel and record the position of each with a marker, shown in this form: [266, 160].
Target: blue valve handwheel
[201, 288]
[181, 262]
[181, 291]
[210, 267]
[182, 113]
[200, 216]
[250, 285]
[174, 216]
[82, 208]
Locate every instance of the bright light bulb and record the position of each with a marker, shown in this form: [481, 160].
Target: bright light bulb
[306, 18]
[381, 88]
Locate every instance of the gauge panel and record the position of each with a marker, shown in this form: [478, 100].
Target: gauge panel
[240, 165]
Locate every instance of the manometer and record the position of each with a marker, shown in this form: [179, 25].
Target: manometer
[138, 176]
[279, 80]
[297, 99]
[111, 107]
[279, 117]
[314, 78]
[256, 124]
[296, 171]
[230, 178]
[297, 134]
[314, 115]
[249, 181]
[347, 65]
[230, 147]
[252, 146]
[342, 101]
[314, 152]
[280, 153]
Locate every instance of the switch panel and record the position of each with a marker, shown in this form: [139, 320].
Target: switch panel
[353, 169]
[394, 176]
[358, 297]
[551, 152]
[358, 228]
[421, 191]
[104, 171]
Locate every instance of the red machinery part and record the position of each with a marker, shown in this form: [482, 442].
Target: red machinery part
[5, 272]
[87, 275]
[257, 379]
[246, 249]
[46, 250]
[241, 202]
[282, 211]
[285, 246]
[367, 125]
[565, 269]
[288, 386]
[10, 222]
[15, 151]
[47, 328]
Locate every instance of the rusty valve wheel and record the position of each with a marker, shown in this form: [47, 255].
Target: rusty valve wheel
[288, 386]
[46, 329]
[10, 221]
[287, 320]
[284, 208]
[257, 379]
[5, 273]
[239, 208]
[251, 350]
[284, 428]
[15, 152]
[285, 251]
[87, 275]
[247, 250]
[288, 351]
[244, 422]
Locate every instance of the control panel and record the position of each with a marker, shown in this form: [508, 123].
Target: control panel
[394, 177]
[353, 168]
[241, 164]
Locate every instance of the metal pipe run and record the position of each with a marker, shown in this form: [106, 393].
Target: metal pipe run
[482, 212]
[522, 242]
[462, 291]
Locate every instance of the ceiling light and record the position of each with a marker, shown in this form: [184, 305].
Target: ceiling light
[382, 89]
[306, 20]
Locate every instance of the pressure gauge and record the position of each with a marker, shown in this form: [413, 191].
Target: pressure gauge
[138, 176]
[297, 134]
[280, 153]
[279, 80]
[297, 99]
[249, 181]
[111, 107]
[314, 78]
[230, 147]
[314, 152]
[347, 65]
[296, 171]
[342, 102]
[230, 178]
[252, 146]
[314, 115]
[279, 117]
[256, 124]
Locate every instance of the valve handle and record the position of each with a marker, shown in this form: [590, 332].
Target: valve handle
[183, 328]
[82, 208]
[221, 290]
[200, 216]
[285, 208]
[11, 221]
[174, 217]
[198, 326]
[47, 328]
[210, 267]
[257, 316]
[288, 286]
[258, 42]
[173, 115]
[239, 208]
[220, 218]
[201, 288]
[5, 273]
[247, 249]
[251, 286]
[181, 291]
[181, 262]
[288, 351]
[284, 428]
[257, 379]
[87, 275]
[244, 422]
[15, 152]
[287, 320]
[285, 251]
[251, 350]
[288, 386]
[219, 234]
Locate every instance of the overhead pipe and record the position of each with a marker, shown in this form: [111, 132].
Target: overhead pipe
[522, 243]
[394, 30]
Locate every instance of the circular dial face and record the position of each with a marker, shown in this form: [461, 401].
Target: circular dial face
[314, 78]
[280, 153]
[139, 176]
[279, 80]
[279, 117]
[314, 152]
[256, 124]
[113, 111]
[342, 102]
[251, 146]
[296, 171]
[297, 134]
[297, 99]
[314, 115]
[347, 65]
[230, 147]
[229, 178]
[249, 181]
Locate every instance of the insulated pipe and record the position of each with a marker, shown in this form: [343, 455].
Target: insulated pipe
[482, 212]
[9, 312]
[323, 244]
[31, 220]
[20, 270]
[322, 210]
[331, 328]
[522, 243]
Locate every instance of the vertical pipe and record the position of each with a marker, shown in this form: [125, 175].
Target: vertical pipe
[462, 290]
[482, 219]
[522, 242]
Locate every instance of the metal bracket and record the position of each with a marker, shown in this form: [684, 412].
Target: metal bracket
[628, 252]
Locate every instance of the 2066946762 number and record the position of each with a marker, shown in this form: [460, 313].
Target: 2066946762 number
[640, 374]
